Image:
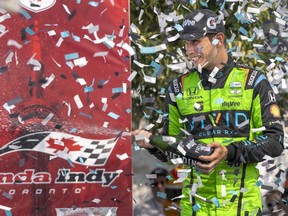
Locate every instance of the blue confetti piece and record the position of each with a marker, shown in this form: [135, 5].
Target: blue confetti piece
[135, 146]
[232, 192]
[169, 177]
[157, 68]
[215, 41]
[278, 58]
[146, 115]
[147, 50]
[259, 183]
[275, 40]
[157, 164]
[81, 160]
[255, 55]
[71, 56]
[93, 3]
[92, 171]
[78, 1]
[161, 194]
[232, 49]
[204, 4]
[252, 37]
[179, 95]
[14, 101]
[113, 187]
[243, 31]
[88, 89]
[196, 207]
[29, 31]
[238, 16]
[113, 115]
[8, 196]
[8, 213]
[70, 162]
[86, 115]
[21, 162]
[76, 38]
[178, 27]
[216, 202]
[107, 45]
[116, 90]
[219, 101]
[65, 34]
[162, 91]
[128, 110]
[25, 14]
[277, 181]
[222, 6]
[73, 130]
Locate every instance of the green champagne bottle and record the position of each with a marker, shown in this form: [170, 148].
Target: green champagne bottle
[186, 148]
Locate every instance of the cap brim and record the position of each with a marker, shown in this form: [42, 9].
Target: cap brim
[189, 37]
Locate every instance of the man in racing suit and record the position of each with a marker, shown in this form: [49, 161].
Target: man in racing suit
[229, 107]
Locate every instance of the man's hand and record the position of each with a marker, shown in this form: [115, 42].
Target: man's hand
[219, 154]
[142, 143]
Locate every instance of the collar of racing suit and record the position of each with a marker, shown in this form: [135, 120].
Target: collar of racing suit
[223, 72]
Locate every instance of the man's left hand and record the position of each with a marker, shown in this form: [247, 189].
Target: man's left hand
[219, 154]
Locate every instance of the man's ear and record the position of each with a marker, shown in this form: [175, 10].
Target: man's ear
[220, 38]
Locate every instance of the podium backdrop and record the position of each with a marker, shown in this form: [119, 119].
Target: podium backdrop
[65, 109]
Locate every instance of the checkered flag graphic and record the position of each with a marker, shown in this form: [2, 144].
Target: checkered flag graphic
[73, 148]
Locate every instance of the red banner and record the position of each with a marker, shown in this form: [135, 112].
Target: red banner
[65, 108]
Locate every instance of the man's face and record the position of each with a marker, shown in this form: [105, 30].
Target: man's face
[158, 185]
[203, 52]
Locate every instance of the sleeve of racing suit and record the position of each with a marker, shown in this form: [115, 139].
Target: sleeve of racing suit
[171, 125]
[265, 113]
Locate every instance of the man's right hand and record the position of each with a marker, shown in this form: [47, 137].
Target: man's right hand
[144, 141]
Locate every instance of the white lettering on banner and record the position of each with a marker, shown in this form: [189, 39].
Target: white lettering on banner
[65, 176]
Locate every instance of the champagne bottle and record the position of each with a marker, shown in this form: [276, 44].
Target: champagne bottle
[186, 148]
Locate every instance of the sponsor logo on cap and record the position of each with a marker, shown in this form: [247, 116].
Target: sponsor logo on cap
[188, 22]
[211, 23]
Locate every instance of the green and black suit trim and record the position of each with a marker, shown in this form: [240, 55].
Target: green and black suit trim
[239, 111]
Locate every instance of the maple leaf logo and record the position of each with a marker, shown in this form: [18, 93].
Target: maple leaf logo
[68, 144]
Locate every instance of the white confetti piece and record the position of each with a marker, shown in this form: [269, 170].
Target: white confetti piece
[5, 208]
[81, 62]
[177, 161]
[132, 76]
[66, 9]
[81, 81]
[59, 42]
[51, 33]
[48, 81]
[128, 48]
[100, 54]
[149, 127]
[149, 79]
[47, 119]
[254, 130]
[78, 101]
[105, 124]
[14, 43]
[123, 156]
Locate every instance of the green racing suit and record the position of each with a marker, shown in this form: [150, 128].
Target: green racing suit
[239, 111]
